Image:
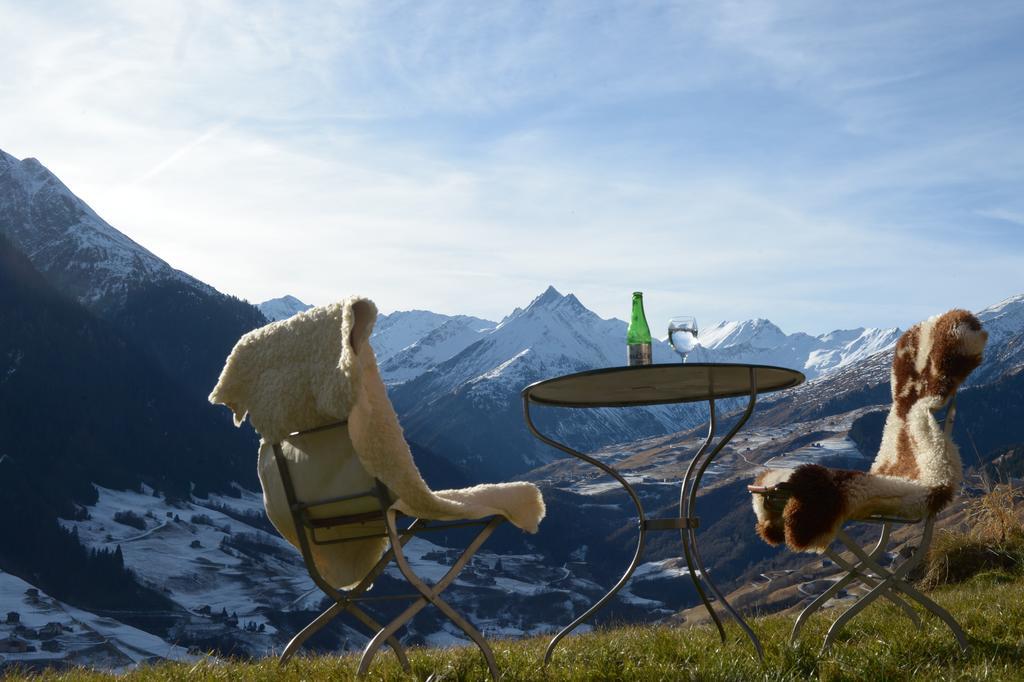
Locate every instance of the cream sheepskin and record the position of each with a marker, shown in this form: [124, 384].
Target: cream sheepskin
[317, 368]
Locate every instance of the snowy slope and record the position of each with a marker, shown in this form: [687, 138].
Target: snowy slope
[181, 552]
[1004, 354]
[206, 561]
[84, 639]
[865, 380]
[1004, 319]
[403, 328]
[282, 308]
[78, 251]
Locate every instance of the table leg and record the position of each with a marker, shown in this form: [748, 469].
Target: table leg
[640, 527]
[691, 482]
[684, 512]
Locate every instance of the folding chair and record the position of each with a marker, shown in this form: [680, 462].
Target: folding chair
[914, 477]
[335, 490]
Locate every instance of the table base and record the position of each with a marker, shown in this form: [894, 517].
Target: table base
[686, 523]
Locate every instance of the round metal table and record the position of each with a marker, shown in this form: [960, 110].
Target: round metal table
[662, 385]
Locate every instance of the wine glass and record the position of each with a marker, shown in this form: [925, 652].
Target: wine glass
[682, 334]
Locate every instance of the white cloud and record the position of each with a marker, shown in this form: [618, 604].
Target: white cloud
[733, 160]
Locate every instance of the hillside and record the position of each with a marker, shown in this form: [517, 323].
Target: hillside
[877, 646]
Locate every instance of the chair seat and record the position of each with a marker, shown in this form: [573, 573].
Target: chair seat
[776, 496]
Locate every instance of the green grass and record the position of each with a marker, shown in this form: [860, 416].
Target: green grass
[880, 644]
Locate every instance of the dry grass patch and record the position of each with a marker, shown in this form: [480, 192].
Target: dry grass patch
[993, 541]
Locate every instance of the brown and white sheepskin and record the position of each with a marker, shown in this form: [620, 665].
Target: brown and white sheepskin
[317, 368]
[917, 470]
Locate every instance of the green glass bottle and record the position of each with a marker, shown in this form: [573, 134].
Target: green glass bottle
[638, 335]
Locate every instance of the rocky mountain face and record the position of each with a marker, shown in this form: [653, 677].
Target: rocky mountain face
[866, 382]
[103, 384]
[1004, 354]
[106, 359]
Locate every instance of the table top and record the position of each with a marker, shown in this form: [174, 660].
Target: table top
[660, 384]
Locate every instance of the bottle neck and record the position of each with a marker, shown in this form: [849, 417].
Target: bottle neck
[638, 331]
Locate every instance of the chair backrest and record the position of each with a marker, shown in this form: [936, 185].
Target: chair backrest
[318, 368]
[314, 480]
[931, 360]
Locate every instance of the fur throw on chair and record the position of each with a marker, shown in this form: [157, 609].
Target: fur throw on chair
[318, 367]
[917, 470]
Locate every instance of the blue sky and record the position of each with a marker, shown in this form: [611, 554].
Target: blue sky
[820, 164]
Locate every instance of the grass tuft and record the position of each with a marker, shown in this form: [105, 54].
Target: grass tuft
[994, 542]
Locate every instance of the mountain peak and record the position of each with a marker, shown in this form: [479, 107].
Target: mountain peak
[551, 295]
[283, 307]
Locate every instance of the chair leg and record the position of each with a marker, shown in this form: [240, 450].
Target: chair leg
[344, 602]
[392, 641]
[430, 595]
[305, 633]
[330, 614]
[937, 610]
[387, 632]
[896, 579]
[859, 572]
[889, 580]
[816, 604]
[821, 599]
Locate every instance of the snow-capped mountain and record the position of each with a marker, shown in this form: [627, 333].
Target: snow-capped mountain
[401, 329]
[1004, 319]
[438, 345]
[468, 409]
[1004, 353]
[757, 333]
[552, 326]
[759, 341]
[865, 380]
[79, 252]
[282, 308]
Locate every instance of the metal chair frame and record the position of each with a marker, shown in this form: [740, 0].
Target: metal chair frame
[306, 527]
[865, 568]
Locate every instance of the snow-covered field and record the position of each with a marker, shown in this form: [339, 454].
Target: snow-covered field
[208, 562]
[71, 636]
[186, 552]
